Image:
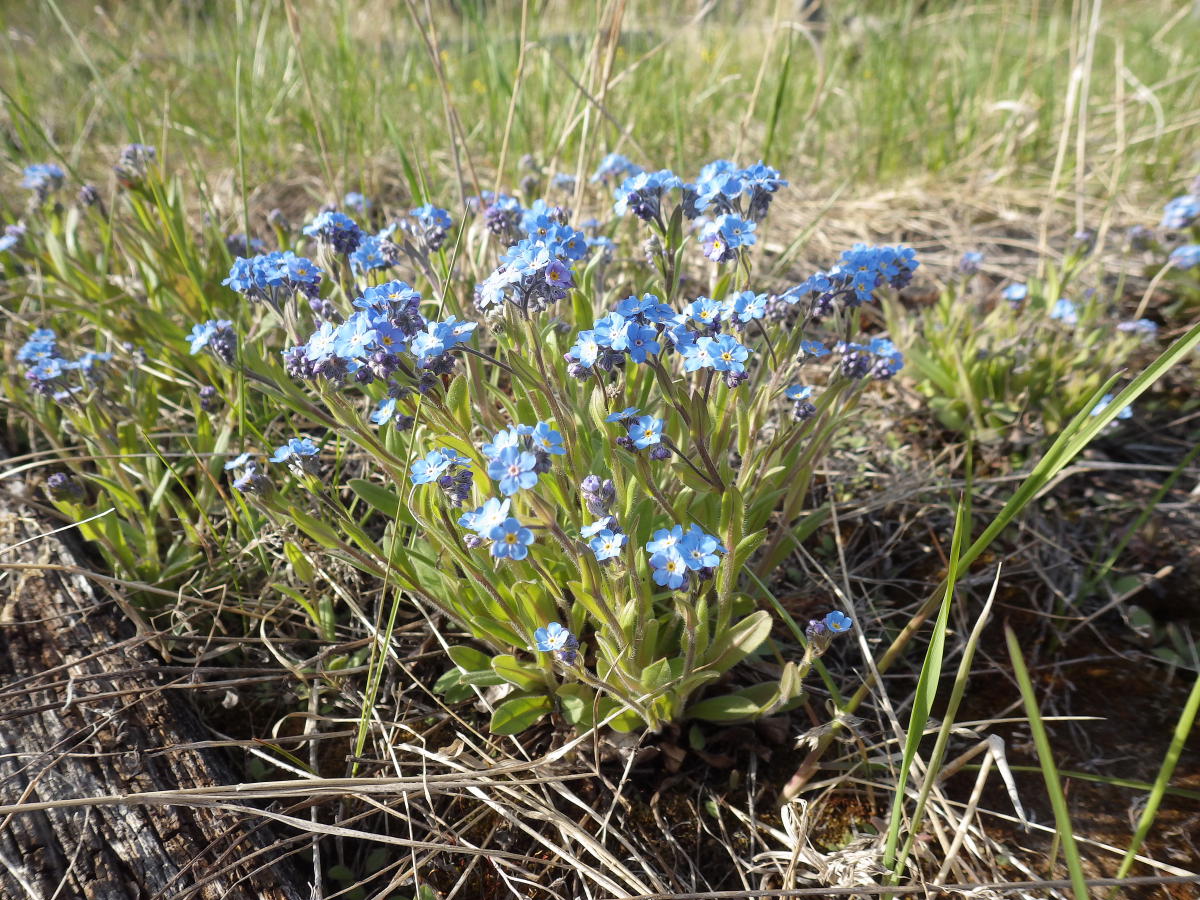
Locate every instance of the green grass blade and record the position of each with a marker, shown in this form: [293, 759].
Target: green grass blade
[927, 686]
[1058, 800]
[1183, 728]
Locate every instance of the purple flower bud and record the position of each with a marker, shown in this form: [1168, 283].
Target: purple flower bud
[208, 398]
[62, 486]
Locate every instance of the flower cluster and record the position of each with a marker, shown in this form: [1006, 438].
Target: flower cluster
[491, 522]
[642, 194]
[878, 359]
[861, 271]
[724, 189]
[375, 251]
[435, 224]
[335, 230]
[1186, 256]
[674, 553]
[1181, 212]
[605, 539]
[820, 632]
[274, 277]
[133, 164]
[556, 639]
[47, 371]
[217, 336]
[449, 470]
[300, 454]
[519, 454]
[369, 343]
[42, 178]
[531, 276]
[639, 329]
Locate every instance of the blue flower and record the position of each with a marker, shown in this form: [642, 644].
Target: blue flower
[336, 230]
[665, 539]
[837, 622]
[369, 254]
[1103, 404]
[814, 349]
[295, 449]
[1180, 212]
[743, 307]
[621, 415]
[431, 217]
[1064, 311]
[547, 439]
[384, 412]
[355, 337]
[705, 312]
[970, 262]
[239, 462]
[798, 392]
[486, 518]
[641, 341]
[514, 469]
[435, 464]
[510, 539]
[1186, 256]
[723, 237]
[607, 544]
[1015, 292]
[699, 550]
[727, 354]
[557, 640]
[204, 333]
[698, 355]
[668, 568]
[43, 178]
[1141, 326]
[356, 201]
[615, 166]
[645, 431]
[590, 531]
[641, 194]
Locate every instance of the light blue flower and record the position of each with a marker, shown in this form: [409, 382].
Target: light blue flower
[295, 449]
[547, 439]
[1064, 311]
[838, 622]
[511, 540]
[668, 568]
[1103, 404]
[607, 544]
[553, 638]
[514, 469]
[645, 431]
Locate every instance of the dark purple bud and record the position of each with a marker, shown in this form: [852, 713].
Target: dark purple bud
[62, 486]
[208, 398]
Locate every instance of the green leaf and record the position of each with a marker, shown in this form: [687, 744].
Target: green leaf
[315, 529]
[381, 499]
[656, 675]
[469, 659]
[739, 642]
[300, 564]
[523, 675]
[736, 707]
[575, 701]
[515, 715]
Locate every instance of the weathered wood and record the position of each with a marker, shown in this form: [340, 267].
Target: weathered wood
[60, 647]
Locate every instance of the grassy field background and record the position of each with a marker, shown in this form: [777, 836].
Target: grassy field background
[999, 126]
